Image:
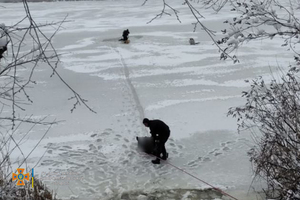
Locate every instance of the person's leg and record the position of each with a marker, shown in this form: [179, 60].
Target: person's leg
[164, 152]
[163, 149]
[158, 151]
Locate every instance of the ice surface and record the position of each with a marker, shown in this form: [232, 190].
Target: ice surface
[157, 75]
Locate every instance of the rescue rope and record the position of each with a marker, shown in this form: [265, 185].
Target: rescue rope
[195, 177]
[213, 187]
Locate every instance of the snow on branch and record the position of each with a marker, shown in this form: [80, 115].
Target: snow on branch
[273, 110]
[262, 20]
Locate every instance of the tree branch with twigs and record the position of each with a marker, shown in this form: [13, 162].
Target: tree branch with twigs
[25, 45]
[254, 20]
[271, 111]
[164, 12]
[19, 56]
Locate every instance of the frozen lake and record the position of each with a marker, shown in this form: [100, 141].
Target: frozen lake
[158, 75]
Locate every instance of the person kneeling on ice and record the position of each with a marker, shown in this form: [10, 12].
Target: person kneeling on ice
[125, 36]
[160, 133]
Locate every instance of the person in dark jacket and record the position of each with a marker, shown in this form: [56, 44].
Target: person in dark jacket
[160, 132]
[125, 35]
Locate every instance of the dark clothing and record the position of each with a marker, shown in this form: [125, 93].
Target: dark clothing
[160, 132]
[2, 50]
[125, 35]
[160, 148]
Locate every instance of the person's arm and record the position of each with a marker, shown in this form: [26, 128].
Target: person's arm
[153, 132]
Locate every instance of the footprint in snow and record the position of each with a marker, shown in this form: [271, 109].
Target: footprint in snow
[206, 159]
[217, 154]
[53, 147]
[82, 150]
[50, 162]
[212, 152]
[49, 145]
[230, 142]
[174, 152]
[194, 165]
[195, 162]
[191, 163]
[99, 140]
[92, 147]
[124, 162]
[64, 154]
[226, 149]
[105, 133]
[243, 139]
[75, 154]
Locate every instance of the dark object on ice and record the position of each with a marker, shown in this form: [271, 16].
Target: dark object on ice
[146, 144]
[2, 50]
[192, 41]
[156, 161]
[125, 36]
[160, 133]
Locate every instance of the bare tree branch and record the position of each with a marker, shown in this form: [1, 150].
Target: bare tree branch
[163, 12]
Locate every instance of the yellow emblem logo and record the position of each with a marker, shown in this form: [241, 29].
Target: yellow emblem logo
[20, 176]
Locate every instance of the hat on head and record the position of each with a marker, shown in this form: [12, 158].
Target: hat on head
[145, 120]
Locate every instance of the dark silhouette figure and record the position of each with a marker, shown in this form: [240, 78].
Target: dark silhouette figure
[160, 133]
[2, 50]
[125, 35]
[192, 41]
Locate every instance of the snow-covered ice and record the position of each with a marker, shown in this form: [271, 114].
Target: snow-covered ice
[157, 75]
